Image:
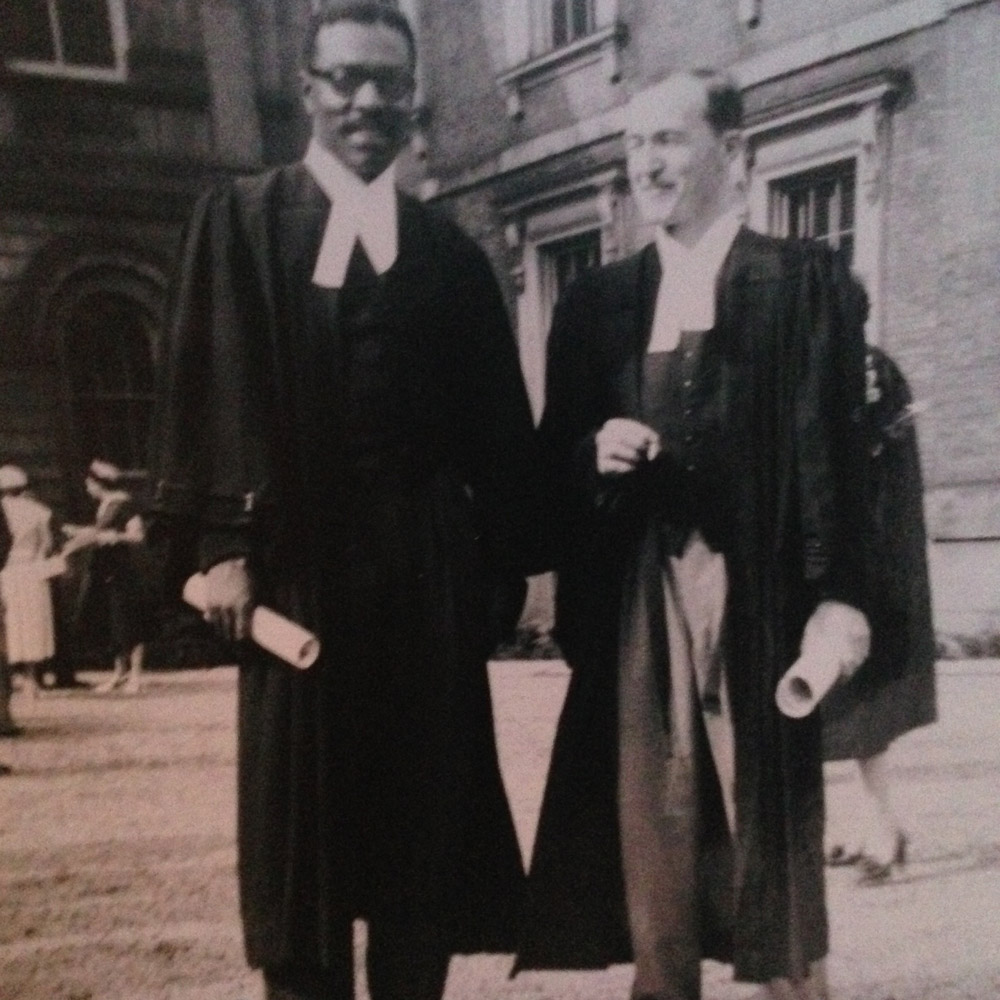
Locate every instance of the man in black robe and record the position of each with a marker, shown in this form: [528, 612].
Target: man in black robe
[703, 417]
[345, 432]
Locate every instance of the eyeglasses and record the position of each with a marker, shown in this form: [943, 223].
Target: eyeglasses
[393, 83]
[661, 138]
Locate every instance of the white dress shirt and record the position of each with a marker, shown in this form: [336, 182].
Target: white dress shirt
[685, 299]
[358, 211]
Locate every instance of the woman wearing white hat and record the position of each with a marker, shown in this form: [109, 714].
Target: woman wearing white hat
[24, 579]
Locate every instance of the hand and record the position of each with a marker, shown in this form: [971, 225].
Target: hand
[840, 631]
[623, 445]
[79, 537]
[229, 598]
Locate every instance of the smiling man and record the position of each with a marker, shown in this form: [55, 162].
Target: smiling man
[703, 417]
[345, 433]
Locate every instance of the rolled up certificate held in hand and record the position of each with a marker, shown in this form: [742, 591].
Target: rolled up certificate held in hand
[835, 643]
[275, 633]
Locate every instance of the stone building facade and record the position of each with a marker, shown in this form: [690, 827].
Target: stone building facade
[872, 124]
[114, 115]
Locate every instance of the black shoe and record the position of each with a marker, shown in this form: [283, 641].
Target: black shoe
[73, 684]
[839, 857]
[875, 872]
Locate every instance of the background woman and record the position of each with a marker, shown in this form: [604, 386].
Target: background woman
[114, 609]
[893, 691]
[24, 582]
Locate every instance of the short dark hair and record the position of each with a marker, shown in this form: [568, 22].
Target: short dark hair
[362, 12]
[723, 100]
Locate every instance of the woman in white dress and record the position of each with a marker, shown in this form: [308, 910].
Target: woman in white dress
[24, 579]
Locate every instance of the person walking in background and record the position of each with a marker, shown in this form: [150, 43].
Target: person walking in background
[115, 611]
[893, 692]
[703, 418]
[344, 430]
[8, 727]
[27, 543]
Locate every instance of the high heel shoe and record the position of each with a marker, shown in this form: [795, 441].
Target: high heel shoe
[841, 856]
[876, 872]
[902, 846]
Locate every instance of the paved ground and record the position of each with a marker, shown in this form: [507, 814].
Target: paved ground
[116, 851]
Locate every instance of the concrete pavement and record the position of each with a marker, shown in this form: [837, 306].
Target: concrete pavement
[116, 850]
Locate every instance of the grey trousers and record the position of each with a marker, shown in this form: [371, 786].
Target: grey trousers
[658, 780]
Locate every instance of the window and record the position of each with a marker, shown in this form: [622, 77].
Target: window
[570, 20]
[816, 204]
[554, 234]
[81, 38]
[564, 260]
[818, 171]
[545, 39]
[109, 378]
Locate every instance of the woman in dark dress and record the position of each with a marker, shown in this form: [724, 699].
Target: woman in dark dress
[114, 609]
[893, 691]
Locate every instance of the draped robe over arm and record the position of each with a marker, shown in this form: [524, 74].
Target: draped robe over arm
[774, 430]
[371, 452]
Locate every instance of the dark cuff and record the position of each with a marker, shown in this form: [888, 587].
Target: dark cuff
[221, 544]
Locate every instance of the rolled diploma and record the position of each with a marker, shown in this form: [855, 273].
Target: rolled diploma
[835, 643]
[277, 634]
[805, 683]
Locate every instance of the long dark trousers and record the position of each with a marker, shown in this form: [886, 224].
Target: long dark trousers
[401, 965]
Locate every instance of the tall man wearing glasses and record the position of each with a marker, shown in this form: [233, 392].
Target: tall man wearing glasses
[345, 432]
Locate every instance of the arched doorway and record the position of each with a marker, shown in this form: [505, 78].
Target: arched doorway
[108, 379]
[99, 327]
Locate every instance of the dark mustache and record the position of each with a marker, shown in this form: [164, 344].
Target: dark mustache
[382, 119]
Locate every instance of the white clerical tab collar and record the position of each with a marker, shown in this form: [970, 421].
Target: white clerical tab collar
[686, 297]
[358, 212]
[708, 254]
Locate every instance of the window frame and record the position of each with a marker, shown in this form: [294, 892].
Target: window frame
[532, 59]
[58, 67]
[119, 389]
[786, 187]
[591, 203]
[546, 31]
[547, 257]
[852, 125]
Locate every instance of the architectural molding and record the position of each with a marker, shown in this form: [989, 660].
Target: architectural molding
[531, 225]
[831, 43]
[590, 202]
[602, 45]
[784, 60]
[155, 78]
[61, 67]
[852, 122]
[583, 133]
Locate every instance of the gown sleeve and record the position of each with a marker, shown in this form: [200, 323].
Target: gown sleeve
[211, 451]
[830, 434]
[498, 443]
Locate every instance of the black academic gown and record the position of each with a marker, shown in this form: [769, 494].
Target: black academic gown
[893, 691]
[370, 451]
[771, 477]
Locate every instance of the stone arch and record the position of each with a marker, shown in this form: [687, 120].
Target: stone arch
[91, 316]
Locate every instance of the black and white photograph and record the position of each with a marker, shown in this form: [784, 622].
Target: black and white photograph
[499, 499]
